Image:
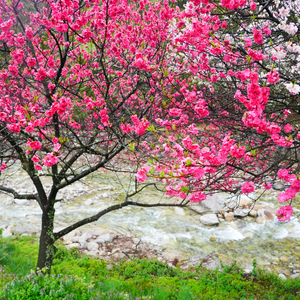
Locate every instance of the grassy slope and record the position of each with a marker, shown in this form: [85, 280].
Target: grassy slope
[144, 279]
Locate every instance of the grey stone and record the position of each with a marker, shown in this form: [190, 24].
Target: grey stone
[282, 276]
[232, 205]
[6, 233]
[209, 219]
[278, 186]
[108, 237]
[92, 246]
[294, 276]
[212, 204]
[73, 245]
[241, 212]
[253, 213]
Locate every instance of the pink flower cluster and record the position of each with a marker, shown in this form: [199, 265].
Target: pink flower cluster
[141, 174]
[284, 213]
[248, 187]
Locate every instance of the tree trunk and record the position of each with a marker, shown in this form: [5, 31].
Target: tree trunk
[47, 249]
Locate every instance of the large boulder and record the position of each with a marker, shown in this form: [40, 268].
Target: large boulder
[212, 204]
[209, 219]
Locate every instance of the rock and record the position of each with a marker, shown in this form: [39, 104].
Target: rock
[6, 233]
[220, 216]
[69, 236]
[232, 205]
[88, 202]
[93, 253]
[229, 216]
[210, 262]
[212, 238]
[212, 204]
[265, 214]
[21, 202]
[272, 210]
[83, 239]
[257, 207]
[241, 212]
[25, 231]
[108, 237]
[283, 259]
[294, 276]
[282, 276]
[119, 255]
[245, 203]
[73, 245]
[10, 229]
[179, 211]
[260, 220]
[92, 246]
[253, 213]
[209, 219]
[75, 239]
[278, 186]
[109, 267]
[100, 231]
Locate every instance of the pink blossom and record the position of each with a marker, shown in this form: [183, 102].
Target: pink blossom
[14, 127]
[126, 128]
[56, 147]
[3, 167]
[35, 159]
[284, 213]
[287, 195]
[41, 74]
[253, 6]
[197, 197]
[38, 167]
[267, 185]
[248, 187]
[258, 37]
[273, 76]
[288, 128]
[49, 160]
[267, 30]
[29, 33]
[141, 174]
[237, 152]
[13, 70]
[31, 62]
[35, 145]
[283, 174]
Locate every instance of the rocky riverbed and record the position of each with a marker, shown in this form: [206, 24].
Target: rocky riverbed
[221, 228]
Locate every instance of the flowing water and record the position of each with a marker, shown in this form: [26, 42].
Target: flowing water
[275, 245]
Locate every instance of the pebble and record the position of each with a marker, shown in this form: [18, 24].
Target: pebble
[284, 259]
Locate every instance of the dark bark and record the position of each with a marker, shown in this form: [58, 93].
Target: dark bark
[46, 248]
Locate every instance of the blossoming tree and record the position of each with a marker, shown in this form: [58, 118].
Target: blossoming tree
[191, 94]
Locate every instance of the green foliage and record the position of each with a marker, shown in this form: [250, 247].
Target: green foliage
[78, 276]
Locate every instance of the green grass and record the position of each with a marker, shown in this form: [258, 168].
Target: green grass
[76, 276]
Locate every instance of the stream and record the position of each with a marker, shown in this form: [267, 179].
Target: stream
[178, 231]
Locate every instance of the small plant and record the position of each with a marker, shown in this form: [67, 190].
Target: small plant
[254, 270]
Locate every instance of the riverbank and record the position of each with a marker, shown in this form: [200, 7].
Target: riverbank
[77, 276]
